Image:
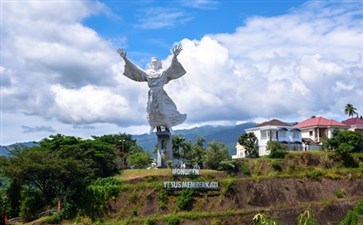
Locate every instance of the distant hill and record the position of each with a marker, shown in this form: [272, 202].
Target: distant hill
[226, 134]
[4, 150]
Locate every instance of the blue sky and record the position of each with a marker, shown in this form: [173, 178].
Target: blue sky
[245, 61]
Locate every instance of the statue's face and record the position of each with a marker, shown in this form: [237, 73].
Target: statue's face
[155, 64]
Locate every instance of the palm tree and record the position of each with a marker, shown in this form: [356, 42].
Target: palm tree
[350, 110]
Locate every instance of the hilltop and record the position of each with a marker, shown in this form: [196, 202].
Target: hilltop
[226, 134]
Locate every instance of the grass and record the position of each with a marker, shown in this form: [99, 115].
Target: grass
[131, 174]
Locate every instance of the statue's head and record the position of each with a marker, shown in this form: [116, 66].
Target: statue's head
[155, 63]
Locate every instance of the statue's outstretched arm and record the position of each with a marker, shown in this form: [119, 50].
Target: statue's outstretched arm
[176, 69]
[122, 53]
[132, 71]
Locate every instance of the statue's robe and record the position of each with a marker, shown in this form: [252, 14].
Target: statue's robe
[161, 110]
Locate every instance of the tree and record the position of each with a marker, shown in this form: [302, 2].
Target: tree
[249, 142]
[139, 159]
[277, 150]
[350, 110]
[345, 141]
[178, 142]
[215, 153]
[123, 145]
[198, 152]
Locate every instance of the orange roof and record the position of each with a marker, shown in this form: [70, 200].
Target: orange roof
[319, 122]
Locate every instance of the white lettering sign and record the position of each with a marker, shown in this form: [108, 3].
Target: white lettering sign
[197, 185]
[185, 172]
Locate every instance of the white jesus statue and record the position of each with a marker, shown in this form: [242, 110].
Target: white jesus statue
[161, 110]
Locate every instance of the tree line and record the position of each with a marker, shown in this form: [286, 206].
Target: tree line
[80, 174]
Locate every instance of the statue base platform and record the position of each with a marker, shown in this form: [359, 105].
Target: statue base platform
[165, 148]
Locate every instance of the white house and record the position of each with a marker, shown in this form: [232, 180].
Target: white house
[317, 129]
[273, 130]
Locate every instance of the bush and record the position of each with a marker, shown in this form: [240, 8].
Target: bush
[276, 165]
[277, 150]
[172, 220]
[97, 195]
[163, 199]
[306, 218]
[185, 200]
[353, 217]
[30, 204]
[314, 174]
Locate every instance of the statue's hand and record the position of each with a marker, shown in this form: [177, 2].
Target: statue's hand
[122, 53]
[177, 49]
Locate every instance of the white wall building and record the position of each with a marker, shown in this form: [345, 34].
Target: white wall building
[273, 130]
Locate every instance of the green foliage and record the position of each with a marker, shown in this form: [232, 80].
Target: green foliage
[263, 219]
[163, 199]
[314, 174]
[31, 204]
[123, 144]
[134, 212]
[98, 194]
[185, 199]
[276, 165]
[350, 110]
[340, 193]
[277, 150]
[133, 197]
[354, 217]
[228, 165]
[227, 186]
[306, 218]
[249, 142]
[244, 168]
[139, 159]
[54, 219]
[172, 220]
[345, 142]
[215, 153]
[150, 221]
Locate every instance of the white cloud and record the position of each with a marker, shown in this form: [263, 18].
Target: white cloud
[307, 62]
[162, 17]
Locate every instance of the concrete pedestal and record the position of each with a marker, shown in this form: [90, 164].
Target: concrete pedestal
[165, 147]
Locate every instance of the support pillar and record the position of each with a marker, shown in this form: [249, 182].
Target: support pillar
[165, 147]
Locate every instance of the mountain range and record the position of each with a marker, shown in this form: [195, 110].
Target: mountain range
[226, 134]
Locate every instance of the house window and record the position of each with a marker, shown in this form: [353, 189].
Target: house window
[263, 134]
[310, 133]
[295, 134]
[282, 133]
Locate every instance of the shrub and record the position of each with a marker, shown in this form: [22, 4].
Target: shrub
[353, 217]
[263, 219]
[172, 220]
[134, 212]
[340, 193]
[163, 199]
[276, 165]
[185, 200]
[150, 221]
[314, 174]
[30, 204]
[133, 197]
[306, 218]
[277, 150]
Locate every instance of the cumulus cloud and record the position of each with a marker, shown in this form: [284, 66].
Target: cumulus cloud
[306, 62]
[303, 63]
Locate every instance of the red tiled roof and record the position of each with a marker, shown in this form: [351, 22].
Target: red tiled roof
[319, 121]
[353, 121]
[273, 122]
